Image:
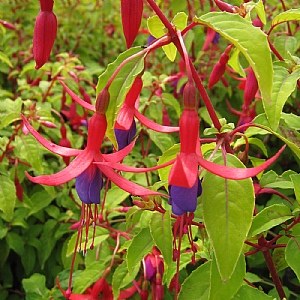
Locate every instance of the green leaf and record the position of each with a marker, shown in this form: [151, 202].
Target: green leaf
[7, 197]
[140, 246]
[185, 259]
[220, 290]
[48, 244]
[292, 254]
[4, 58]
[254, 141]
[234, 62]
[35, 287]
[241, 32]
[269, 217]
[120, 85]
[180, 20]
[15, 242]
[122, 278]
[167, 155]
[34, 203]
[286, 46]
[161, 231]
[296, 182]
[161, 140]
[283, 85]
[172, 101]
[101, 235]
[248, 292]
[28, 149]
[260, 9]
[87, 277]
[227, 217]
[197, 285]
[28, 259]
[288, 135]
[157, 29]
[289, 15]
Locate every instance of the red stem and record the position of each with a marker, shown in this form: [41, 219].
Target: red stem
[198, 82]
[267, 255]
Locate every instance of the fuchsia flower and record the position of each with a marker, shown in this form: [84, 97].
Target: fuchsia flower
[82, 166]
[125, 127]
[44, 33]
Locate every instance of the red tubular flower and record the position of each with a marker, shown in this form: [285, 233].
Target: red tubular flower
[44, 33]
[131, 11]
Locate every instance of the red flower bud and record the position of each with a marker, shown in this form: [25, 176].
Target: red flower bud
[131, 11]
[189, 96]
[8, 25]
[102, 101]
[44, 33]
[251, 88]
[226, 7]
[219, 69]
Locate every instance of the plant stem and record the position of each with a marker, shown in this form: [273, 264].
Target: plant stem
[262, 242]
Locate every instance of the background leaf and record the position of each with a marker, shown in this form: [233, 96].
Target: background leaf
[197, 285]
[140, 246]
[7, 197]
[269, 217]
[160, 228]
[227, 217]
[35, 287]
[220, 290]
[283, 85]
[292, 254]
[248, 292]
[289, 15]
[121, 278]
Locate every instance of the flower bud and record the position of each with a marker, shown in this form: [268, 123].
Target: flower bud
[44, 33]
[226, 7]
[102, 101]
[219, 69]
[189, 96]
[131, 11]
[8, 25]
[251, 88]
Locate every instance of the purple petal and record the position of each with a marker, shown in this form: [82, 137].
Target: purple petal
[150, 270]
[89, 184]
[184, 199]
[124, 137]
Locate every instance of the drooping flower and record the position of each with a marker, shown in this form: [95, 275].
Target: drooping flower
[125, 127]
[44, 33]
[85, 158]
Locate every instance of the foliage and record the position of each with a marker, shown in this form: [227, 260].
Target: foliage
[199, 187]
